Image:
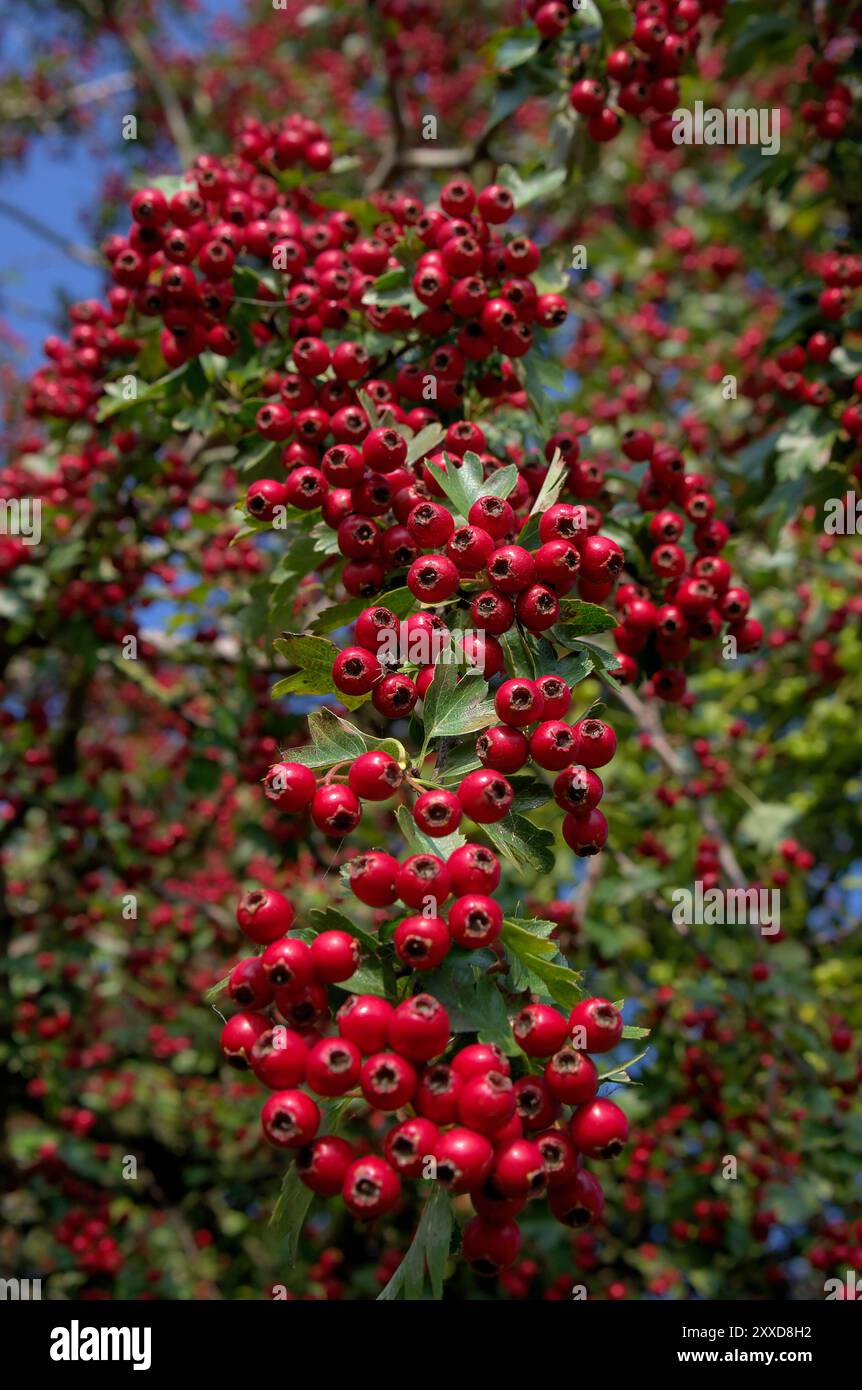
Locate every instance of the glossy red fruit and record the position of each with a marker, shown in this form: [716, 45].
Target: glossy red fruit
[437, 1093]
[333, 1066]
[502, 748]
[486, 1102]
[464, 1159]
[355, 671]
[559, 1155]
[239, 1035]
[290, 785]
[478, 1058]
[248, 984]
[371, 1187]
[335, 956]
[586, 832]
[365, 1020]
[289, 1119]
[556, 695]
[596, 742]
[595, 1025]
[264, 914]
[278, 1058]
[577, 789]
[519, 702]
[335, 810]
[322, 1165]
[437, 812]
[552, 745]
[489, 1247]
[539, 1030]
[422, 942]
[473, 869]
[571, 1076]
[485, 796]
[388, 1081]
[419, 1028]
[519, 1169]
[288, 965]
[599, 1129]
[423, 881]
[375, 776]
[475, 921]
[372, 878]
[534, 1103]
[409, 1144]
[579, 1202]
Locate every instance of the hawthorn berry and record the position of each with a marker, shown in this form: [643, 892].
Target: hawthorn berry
[335, 956]
[464, 1159]
[485, 796]
[388, 1081]
[419, 1028]
[290, 1119]
[364, 1019]
[322, 1165]
[264, 915]
[371, 1187]
[595, 1025]
[599, 1129]
[422, 942]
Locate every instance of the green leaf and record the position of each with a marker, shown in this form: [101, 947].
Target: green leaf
[501, 483]
[114, 401]
[630, 1031]
[530, 190]
[459, 708]
[579, 619]
[517, 49]
[459, 480]
[423, 442]
[765, 825]
[560, 983]
[428, 1253]
[548, 494]
[290, 1211]
[524, 844]
[603, 662]
[519, 653]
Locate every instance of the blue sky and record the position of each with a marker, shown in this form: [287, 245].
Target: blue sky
[55, 184]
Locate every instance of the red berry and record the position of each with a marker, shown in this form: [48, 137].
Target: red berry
[419, 1028]
[539, 1030]
[289, 1119]
[372, 878]
[335, 956]
[437, 812]
[519, 702]
[595, 1025]
[473, 869]
[264, 915]
[322, 1165]
[586, 832]
[335, 810]
[355, 671]
[599, 1129]
[364, 1019]
[409, 1144]
[290, 785]
[288, 965]
[371, 1188]
[333, 1066]
[552, 745]
[388, 1081]
[511, 569]
[432, 579]
[422, 942]
[423, 880]
[559, 1156]
[487, 1246]
[475, 921]
[485, 796]
[239, 1036]
[375, 776]
[479, 1058]
[502, 748]
[579, 1202]
[571, 1076]
[596, 742]
[464, 1159]
[278, 1058]
[519, 1169]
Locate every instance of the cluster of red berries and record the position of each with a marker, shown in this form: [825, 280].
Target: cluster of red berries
[698, 599]
[473, 1128]
[644, 74]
